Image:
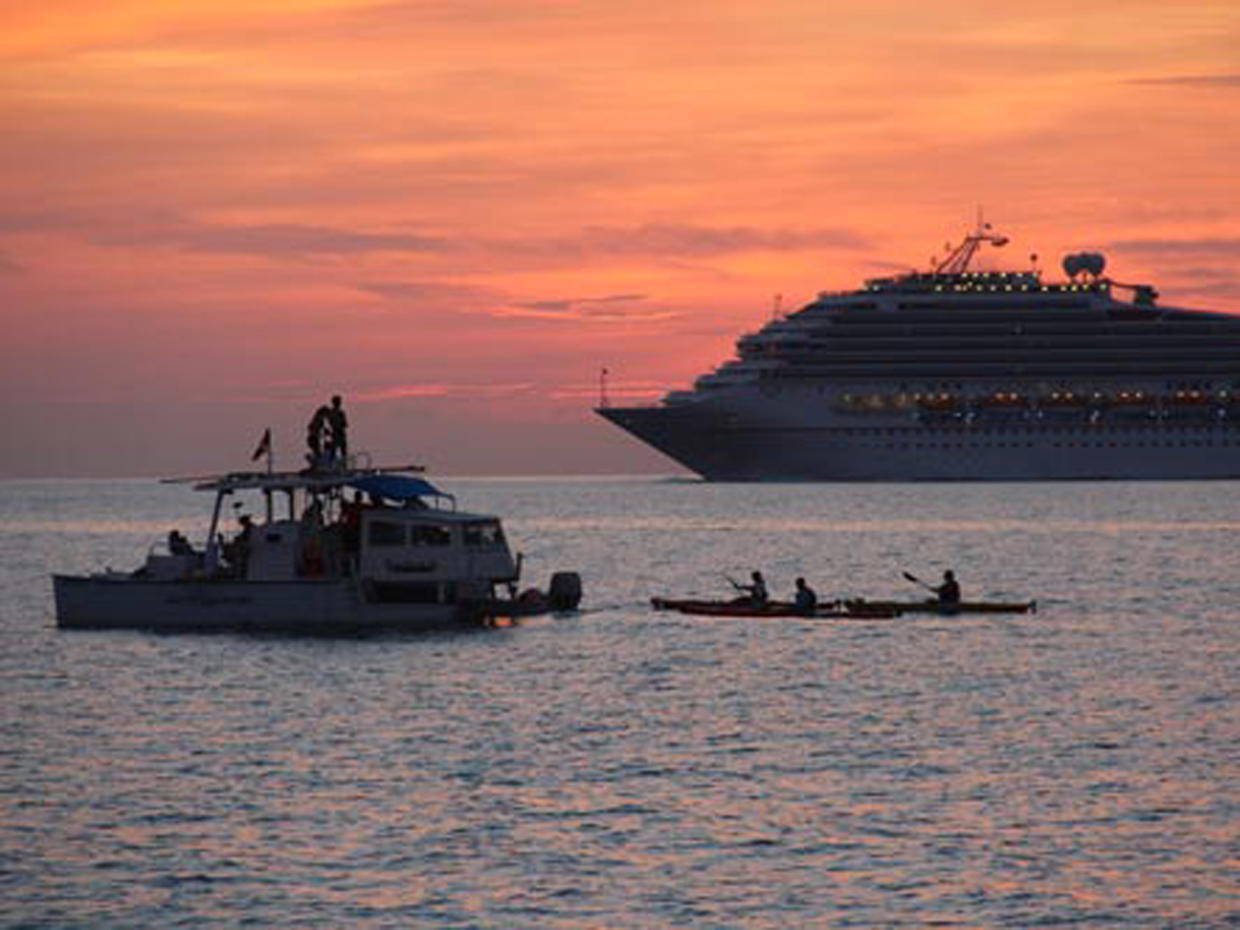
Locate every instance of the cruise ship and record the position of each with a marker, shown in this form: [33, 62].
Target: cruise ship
[957, 374]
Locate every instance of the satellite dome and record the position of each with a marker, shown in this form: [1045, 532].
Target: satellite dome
[1073, 265]
[1095, 262]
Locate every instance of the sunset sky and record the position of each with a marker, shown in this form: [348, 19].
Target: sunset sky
[456, 212]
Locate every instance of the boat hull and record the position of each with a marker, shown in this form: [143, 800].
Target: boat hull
[854, 609]
[963, 607]
[301, 607]
[748, 444]
[774, 609]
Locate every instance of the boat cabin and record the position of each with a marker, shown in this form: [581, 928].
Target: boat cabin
[395, 536]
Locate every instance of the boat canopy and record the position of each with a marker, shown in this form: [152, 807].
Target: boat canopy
[316, 481]
[398, 487]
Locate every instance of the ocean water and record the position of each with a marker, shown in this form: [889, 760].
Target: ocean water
[627, 768]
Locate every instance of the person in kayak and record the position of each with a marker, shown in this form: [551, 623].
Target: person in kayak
[755, 591]
[949, 590]
[805, 599]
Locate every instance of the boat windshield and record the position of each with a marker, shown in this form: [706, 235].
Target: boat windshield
[486, 535]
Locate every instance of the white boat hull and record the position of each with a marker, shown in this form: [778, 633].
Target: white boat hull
[304, 607]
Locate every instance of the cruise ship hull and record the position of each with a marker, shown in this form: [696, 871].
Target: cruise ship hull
[722, 447]
[959, 375]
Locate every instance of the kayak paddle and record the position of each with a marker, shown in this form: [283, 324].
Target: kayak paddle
[916, 580]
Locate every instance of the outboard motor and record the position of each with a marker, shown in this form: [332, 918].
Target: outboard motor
[565, 591]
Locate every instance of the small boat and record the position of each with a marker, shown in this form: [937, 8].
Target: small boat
[745, 608]
[938, 607]
[404, 560]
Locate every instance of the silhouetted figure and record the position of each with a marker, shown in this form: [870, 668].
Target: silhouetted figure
[237, 550]
[949, 590]
[351, 522]
[806, 600]
[338, 429]
[756, 592]
[314, 433]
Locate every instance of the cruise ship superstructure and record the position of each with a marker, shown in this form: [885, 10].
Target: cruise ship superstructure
[955, 374]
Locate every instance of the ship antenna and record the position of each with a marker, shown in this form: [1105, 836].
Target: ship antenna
[602, 389]
[958, 261]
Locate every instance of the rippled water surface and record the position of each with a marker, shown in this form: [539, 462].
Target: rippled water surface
[627, 768]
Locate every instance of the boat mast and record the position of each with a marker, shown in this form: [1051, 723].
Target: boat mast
[958, 261]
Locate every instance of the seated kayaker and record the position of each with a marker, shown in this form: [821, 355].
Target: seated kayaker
[949, 590]
[805, 599]
[755, 591]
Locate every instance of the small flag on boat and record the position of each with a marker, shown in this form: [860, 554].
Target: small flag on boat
[264, 446]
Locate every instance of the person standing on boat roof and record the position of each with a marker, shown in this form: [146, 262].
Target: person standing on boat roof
[806, 599]
[949, 590]
[314, 432]
[338, 425]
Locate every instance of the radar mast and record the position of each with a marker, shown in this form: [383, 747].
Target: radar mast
[957, 262]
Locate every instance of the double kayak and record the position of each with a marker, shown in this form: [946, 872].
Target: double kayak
[857, 609]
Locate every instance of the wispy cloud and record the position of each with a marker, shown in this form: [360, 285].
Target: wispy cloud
[687, 240]
[615, 390]
[429, 290]
[1192, 80]
[300, 240]
[1228, 246]
[163, 228]
[1206, 281]
[441, 389]
[276, 240]
[610, 307]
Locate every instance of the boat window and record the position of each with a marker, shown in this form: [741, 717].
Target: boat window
[484, 535]
[429, 536]
[383, 533]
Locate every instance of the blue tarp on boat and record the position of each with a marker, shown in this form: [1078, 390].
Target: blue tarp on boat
[398, 487]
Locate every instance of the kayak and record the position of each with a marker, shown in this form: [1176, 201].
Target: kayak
[962, 607]
[859, 610]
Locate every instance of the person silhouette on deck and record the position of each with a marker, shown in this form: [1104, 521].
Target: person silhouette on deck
[338, 429]
[314, 433]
